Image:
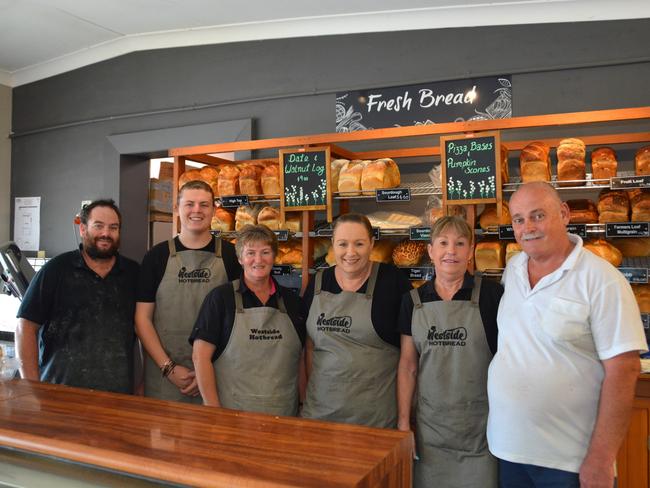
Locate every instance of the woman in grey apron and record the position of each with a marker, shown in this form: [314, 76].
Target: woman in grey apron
[448, 340]
[246, 324]
[351, 367]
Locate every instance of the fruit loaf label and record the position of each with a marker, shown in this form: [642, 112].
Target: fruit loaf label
[282, 235]
[506, 232]
[420, 233]
[635, 275]
[234, 201]
[419, 272]
[627, 229]
[630, 182]
[393, 195]
[577, 229]
[281, 270]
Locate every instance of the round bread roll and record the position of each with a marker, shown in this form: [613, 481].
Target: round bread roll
[270, 180]
[409, 253]
[223, 220]
[602, 248]
[191, 175]
[270, 217]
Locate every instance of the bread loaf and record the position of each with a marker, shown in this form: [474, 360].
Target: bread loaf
[330, 258]
[250, 180]
[335, 171]
[350, 177]
[604, 164]
[512, 249]
[382, 173]
[535, 162]
[571, 162]
[292, 254]
[321, 246]
[642, 295]
[640, 204]
[613, 206]
[505, 177]
[642, 161]
[209, 174]
[488, 217]
[382, 251]
[191, 175]
[245, 215]
[270, 181]
[434, 214]
[228, 181]
[633, 247]
[292, 222]
[583, 211]
[270, 217]
[489, 255]
[602, 248]
[409, 253]
[222, 220]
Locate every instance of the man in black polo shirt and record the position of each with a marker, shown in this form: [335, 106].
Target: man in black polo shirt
[75, 324]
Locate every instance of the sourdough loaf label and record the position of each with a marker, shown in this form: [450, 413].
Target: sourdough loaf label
[234, 201]
[635, 275]
[420, 233]
[618, 182]
[627, 229]
[393, 195]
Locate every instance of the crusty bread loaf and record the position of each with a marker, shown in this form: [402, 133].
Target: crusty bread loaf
[335, 171]
[642, 161]
[571, 162]
[633, 247]
[329, 257]
[382, 251]
[604, 164]
[250, 180]
[228, 182]
[350, 177]
[209, 173]
[488, 217]
[382, 173]
[292, 222]
[489, 255]
[512, 249]
[245, 215]
[291, 253]
[270, 217]
[583, 211]
[613, 206]
[642, 295]
[409, 253]
[640, 204]
[191, 175]
[535, 162]
[602, 248]
[223, 220]
[270, 180]
[321, 246]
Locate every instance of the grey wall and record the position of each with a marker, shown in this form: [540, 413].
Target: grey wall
[287, 87]
[5, 161]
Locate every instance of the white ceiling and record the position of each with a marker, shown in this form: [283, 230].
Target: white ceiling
[42, 38]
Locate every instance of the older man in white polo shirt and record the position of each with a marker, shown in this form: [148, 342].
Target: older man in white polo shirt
[561, 385]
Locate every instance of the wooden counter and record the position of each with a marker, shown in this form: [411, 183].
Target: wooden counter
[632, 460]
[194, 445]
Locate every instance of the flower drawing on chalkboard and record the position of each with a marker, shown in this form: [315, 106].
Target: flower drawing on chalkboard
[501, 107]
[481, 188]
[472, 188]
[347, 120]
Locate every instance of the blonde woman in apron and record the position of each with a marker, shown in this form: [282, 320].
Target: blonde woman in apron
[353, 341]
[449, 336]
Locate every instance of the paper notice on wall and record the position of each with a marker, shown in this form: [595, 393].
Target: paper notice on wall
[27, 223]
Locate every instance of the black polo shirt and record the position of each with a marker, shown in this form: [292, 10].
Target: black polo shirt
[87, 331]
[391, 284]
[488, 304]
[154, 265]
[216, 318]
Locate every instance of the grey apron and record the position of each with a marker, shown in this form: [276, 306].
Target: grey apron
[258, 369]
[354, 371]
[188, 278]
[452, 403]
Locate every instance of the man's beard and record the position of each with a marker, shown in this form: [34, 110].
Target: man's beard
[94, 252]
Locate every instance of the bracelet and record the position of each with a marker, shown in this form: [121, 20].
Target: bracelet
[167, 368]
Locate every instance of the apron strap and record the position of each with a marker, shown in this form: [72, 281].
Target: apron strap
[281, 306]
[217, 247]
[172, 248]
[476, 292]
[415, 296]
[318, 282]
[372, 280]
[239, 303]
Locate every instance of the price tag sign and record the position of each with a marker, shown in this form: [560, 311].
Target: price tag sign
[215, 232]
[506, 232]
[234, 201]
[635, 275]
[420, 234]
[393, 195]
[419, 273]
[376, 232]
[627, 229]
[281, 270]
[621, 182]
[577, 229]
[282, 235]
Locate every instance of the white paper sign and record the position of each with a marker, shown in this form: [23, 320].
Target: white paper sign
[27, 223]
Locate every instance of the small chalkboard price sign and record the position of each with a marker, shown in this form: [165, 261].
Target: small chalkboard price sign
[305, 180]
[471, 168]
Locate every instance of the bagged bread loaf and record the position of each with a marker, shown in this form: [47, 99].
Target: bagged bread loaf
[642, 161]
[602, 248]
[409, 253]
[489, 255]
[488, 217]
[613, 206]
[583, 211]
[571, 162]
[535, 162]
[382, 173]
[250, 180]
[228, 181]
[604, 164]
[640, 204]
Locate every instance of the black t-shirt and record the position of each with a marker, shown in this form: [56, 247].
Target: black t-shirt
[87, 332]
[488, 305]
[391, 284]
[216, 318]
[154, 264]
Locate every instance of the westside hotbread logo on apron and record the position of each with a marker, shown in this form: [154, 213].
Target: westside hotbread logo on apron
[201, 275]
[264, 335]
[448, 337]
[334, 324]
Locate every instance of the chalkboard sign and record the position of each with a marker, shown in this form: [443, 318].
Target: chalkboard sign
[305, 180]
[471, 168]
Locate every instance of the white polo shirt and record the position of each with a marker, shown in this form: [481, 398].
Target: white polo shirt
[544, 381]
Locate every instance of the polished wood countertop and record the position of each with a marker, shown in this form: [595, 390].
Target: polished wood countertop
[195, 445]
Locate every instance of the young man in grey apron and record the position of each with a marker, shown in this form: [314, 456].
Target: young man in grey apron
[249, 335]
[449, 338]
[165, 313]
